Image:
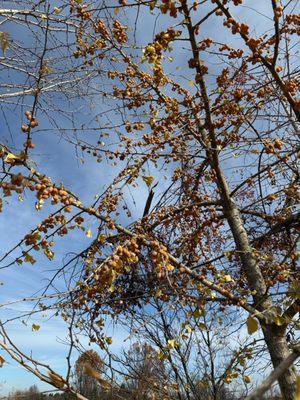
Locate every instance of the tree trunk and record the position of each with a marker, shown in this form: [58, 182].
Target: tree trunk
[274, 335]
[278, 349]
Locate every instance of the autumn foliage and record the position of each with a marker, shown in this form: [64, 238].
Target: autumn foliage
[202, 112]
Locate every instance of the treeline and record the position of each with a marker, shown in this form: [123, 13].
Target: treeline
[33, 393]
[121, 393]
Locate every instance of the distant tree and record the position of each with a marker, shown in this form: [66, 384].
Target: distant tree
[146, 376]
[88, 367]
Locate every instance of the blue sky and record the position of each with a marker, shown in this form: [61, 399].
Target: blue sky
[57, 159]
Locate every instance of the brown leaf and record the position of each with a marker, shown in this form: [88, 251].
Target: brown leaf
[2, 361]
[56, 380]
[252, 325]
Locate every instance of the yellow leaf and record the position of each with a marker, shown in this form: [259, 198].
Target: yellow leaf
[252, 325]
[101, 238]
[297, 394]
[10, 158]
[49, 254]
[247, 379]
[15, 159]
[279, 321]
[191, 82]
[198, 312]
[35, 327]
[171, 343]
[4, 42]
[169, 267]
[88, 233]
[228, 278]
[116, 10]
[56, 10]
[39, 204]
[148, 180]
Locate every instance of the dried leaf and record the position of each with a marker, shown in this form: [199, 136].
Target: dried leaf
[101, 238]
[252, 325]
[10, 158]
[88, 233]
[148, 180]
[2, 361]
[297, 394]
[171, 343]
[228, 278]
[35, 327]
[49, 254]
[56, 380]
[4, 42]
[15, 159]
[29, 258]
[90, 371]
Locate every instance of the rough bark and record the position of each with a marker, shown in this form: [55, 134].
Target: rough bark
[278, 348]
[274, 335]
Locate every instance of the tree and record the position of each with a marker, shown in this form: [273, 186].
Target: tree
[88, 367]
[205, 120]
[197, 359]
[145, 373]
